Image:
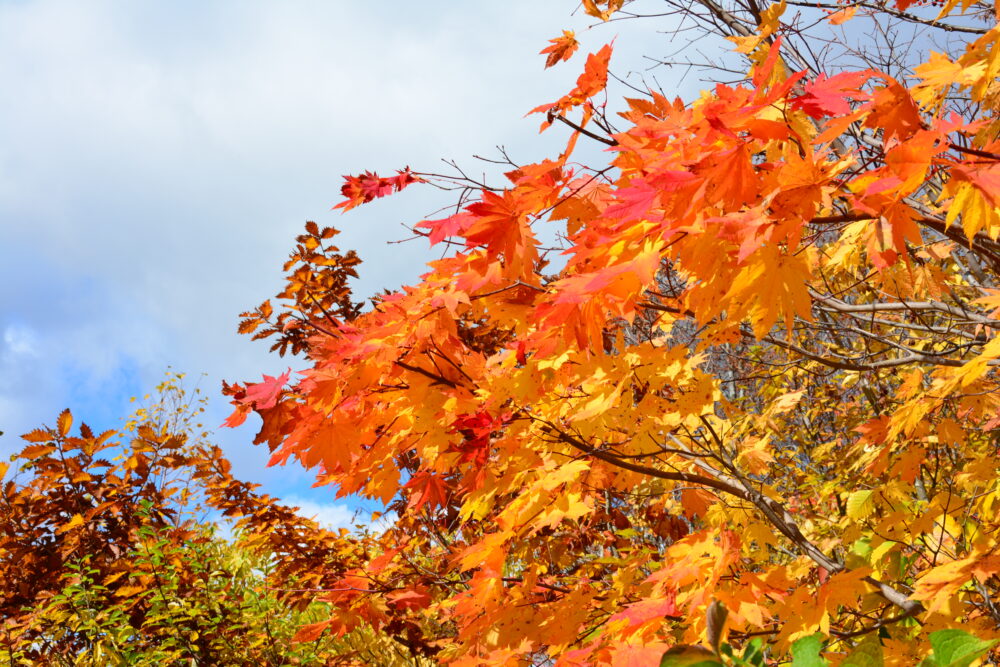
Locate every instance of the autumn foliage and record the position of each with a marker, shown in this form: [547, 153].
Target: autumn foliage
[107, 555]
[749, 414]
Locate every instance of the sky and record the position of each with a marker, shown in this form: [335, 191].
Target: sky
[158, 158]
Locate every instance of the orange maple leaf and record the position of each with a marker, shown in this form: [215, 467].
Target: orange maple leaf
[561, 48]
[428, 489]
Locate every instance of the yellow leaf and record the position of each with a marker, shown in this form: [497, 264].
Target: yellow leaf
[599, 403]
[572, 471]
[939, 74]
[860, 505]
[769, 18]
[778, 283]
[113, 578]
[77, 520]
[940, 583]
[756, 455]
[569, 506]
[129, 591]
[880, 552]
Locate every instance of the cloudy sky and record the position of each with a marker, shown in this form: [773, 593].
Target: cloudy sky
[157, 159]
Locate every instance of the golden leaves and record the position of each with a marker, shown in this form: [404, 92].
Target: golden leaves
[773, 285]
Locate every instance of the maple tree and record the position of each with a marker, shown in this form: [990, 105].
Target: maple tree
[107, 555]
[752, 414]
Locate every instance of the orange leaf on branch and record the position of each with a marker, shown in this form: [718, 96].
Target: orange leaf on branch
[561, 48]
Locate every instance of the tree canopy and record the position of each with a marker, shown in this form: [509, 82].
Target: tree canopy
[743, 407]
[111, 553]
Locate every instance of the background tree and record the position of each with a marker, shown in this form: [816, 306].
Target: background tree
[109, 555]
[753, 407]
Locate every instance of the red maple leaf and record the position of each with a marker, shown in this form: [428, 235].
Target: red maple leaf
[362, 189]
[831, 96]
[264, 395]
[634, 201]
[642, 611]
[451, 226]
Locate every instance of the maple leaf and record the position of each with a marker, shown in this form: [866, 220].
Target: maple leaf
[453, 225]
[894, 111]
[731, 177]
[362, 189]
[311, 632]
[264, 395]
[595, 74]
[591, 82]
[409, 599]
[560, 48]
[427, 489]
[634, 202]
[646, 610]
[831, 96]
[842, 16]
[238, 416]
[500, 224]
[593, 9]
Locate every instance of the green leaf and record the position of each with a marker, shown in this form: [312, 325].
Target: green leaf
[957, 648]
[753, 652]
[805, 652]
[862, 547]
[868, 653]
[686, 655]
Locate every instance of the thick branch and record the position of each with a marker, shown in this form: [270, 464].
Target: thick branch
[689, 478]
[775, 513]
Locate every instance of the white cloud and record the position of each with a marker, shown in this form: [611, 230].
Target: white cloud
[333, 516]
[157, 159]
[19, 341]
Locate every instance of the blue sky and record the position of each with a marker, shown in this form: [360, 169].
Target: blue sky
[157, 159]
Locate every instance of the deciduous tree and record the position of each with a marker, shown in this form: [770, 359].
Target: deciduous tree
[754, 404]
[109, 555]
